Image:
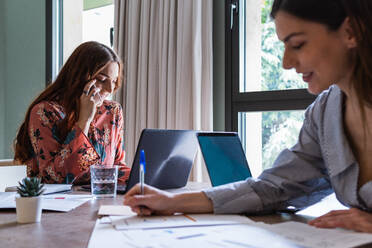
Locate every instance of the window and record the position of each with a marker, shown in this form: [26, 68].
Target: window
[86, 20]
[98, 23]
[264, 103]
[71, 22]
[54, 37]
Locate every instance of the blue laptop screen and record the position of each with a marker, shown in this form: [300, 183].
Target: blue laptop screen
[224, 158]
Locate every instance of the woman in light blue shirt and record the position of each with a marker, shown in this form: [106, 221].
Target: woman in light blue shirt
[329, 42]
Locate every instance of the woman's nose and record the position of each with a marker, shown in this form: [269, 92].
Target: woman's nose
[109, 87]
[288, 60]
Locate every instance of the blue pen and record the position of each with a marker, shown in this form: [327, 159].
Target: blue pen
[142, 171]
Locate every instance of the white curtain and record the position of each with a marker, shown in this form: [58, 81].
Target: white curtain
[166, 47]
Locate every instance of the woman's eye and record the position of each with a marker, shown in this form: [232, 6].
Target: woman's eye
[101, 79]
[298, 46]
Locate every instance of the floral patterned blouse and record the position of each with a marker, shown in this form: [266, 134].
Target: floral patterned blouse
[68, 161]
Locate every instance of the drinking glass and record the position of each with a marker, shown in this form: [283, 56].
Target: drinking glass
[104, 180]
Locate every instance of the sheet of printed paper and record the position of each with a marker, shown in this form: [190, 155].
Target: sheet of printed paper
[119, 210]
[208, 236]
[104, 235]
[182, 220]
[310, 236]
[63, 202]
[55, 202]
[287, 234]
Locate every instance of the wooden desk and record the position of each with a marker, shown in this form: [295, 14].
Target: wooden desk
[73, 229]
[56, 229]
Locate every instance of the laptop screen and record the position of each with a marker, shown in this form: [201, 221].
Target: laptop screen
[224, 157]
[169, 158]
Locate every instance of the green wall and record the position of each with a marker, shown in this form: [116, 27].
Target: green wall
[2, 82]
[24, 55]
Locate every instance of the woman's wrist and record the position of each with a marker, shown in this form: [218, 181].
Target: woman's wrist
[192, 202]
[84, 126]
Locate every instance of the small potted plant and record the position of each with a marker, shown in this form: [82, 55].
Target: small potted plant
[28, 204]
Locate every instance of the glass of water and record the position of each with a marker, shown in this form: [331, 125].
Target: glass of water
[104, 180]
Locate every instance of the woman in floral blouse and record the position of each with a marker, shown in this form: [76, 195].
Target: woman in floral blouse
[71, 125]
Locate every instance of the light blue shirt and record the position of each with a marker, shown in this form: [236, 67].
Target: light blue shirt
[321, 162]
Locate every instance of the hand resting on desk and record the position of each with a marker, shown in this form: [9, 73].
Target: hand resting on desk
[155, 201]
[160, 202]
[353, 219]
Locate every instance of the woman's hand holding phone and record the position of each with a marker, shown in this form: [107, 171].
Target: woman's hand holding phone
[89, 101]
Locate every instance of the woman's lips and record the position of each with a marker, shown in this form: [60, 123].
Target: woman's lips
[307, 76]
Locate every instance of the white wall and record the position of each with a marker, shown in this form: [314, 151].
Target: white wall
[24, 55]
[2, 81]
[72, 25]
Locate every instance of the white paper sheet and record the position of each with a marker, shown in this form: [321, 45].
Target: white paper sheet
[156, 222]
[55, 202]
[244, 235]
[239, 235]
[104, 235]
[119, 210]
[63, 202]
[7, 199]
[326, 205]
[251, 234]
[310, 236]
[48, 188]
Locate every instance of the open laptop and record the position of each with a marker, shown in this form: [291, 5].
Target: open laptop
[169, 156]
[224, 157]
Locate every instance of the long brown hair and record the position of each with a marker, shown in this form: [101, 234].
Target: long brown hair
[86, 60]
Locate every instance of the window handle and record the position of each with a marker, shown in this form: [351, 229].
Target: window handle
[112, 36]
[233, 9]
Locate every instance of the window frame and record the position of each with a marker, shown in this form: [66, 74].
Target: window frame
[53, 39]
[255, 101]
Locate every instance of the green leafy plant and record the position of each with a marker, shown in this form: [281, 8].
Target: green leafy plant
[30, 187]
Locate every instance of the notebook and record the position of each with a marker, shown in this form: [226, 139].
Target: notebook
[224, 157]
[169, 157]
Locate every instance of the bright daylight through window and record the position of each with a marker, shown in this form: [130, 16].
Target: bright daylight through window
[98, 23]
[264, 134]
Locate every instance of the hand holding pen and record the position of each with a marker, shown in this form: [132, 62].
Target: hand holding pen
[142, 171]
[152, 201]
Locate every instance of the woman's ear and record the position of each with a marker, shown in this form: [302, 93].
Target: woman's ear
[349, 34]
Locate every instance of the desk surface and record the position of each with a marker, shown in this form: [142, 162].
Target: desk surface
[73, 229]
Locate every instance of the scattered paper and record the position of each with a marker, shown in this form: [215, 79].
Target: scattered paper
[326, 205]
[48, 188]
[182, 220]
[239, 235]
[249, 234]
[104, 235]
[7, 199]
[63, 202]
[56, 202]
[120, 210]
[309, 236]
